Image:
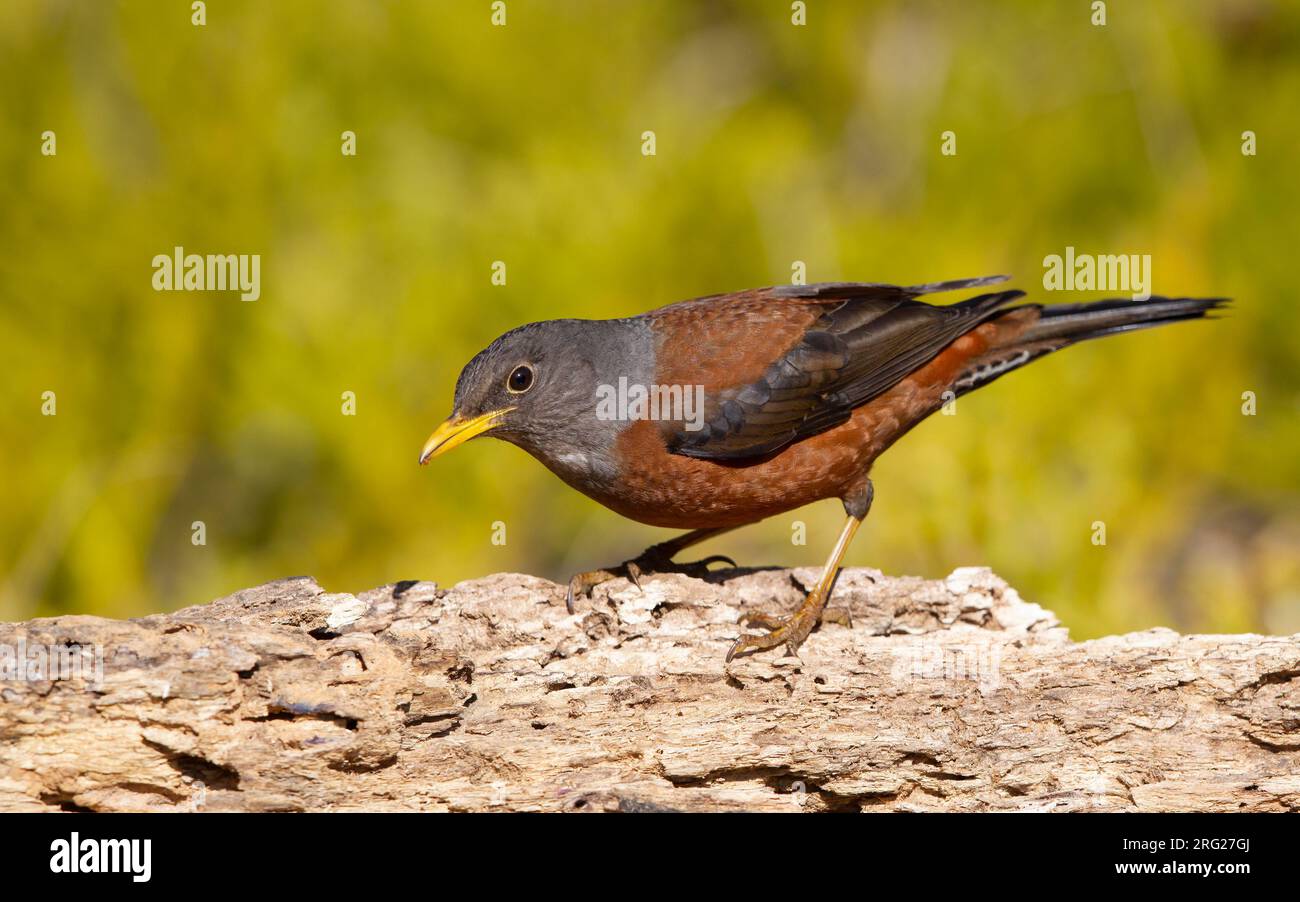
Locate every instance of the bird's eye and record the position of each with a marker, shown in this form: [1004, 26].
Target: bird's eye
[521, 379]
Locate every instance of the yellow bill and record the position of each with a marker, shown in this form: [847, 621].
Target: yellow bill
[458, 430]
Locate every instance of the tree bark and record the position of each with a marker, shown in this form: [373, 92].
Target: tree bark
[950, 695]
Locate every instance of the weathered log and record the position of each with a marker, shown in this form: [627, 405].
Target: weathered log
[944, 695]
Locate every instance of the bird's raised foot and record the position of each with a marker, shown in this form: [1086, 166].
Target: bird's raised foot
[582, 584]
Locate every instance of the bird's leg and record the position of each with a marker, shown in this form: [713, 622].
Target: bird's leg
[655, 559]
[793, 630]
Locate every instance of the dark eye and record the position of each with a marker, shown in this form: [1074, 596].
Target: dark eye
[521, 379]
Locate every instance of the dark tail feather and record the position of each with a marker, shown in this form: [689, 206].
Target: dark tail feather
[1079, 322]
[1059, 325]
[955, 285]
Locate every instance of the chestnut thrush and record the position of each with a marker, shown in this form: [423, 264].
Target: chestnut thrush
[797, 389]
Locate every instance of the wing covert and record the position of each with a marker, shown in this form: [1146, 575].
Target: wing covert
[866, 339]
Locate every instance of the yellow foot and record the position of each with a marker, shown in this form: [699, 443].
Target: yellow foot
[582, 583]
[792, 631]
[788, 631]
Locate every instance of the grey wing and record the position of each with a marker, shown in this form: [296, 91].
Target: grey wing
[859, 348]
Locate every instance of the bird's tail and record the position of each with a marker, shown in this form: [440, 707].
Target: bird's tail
[1079, 322]
[1059, 325]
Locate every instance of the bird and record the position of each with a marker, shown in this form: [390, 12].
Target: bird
[796, 391]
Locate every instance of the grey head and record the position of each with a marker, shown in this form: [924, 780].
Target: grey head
[536, 387]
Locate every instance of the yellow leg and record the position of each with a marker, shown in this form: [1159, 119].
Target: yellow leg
[792, 631]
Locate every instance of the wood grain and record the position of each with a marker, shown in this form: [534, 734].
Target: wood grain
[948, 695]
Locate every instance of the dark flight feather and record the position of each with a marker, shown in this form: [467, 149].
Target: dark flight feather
[869, 338]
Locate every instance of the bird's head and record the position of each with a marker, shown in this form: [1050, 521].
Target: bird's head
[532, 387]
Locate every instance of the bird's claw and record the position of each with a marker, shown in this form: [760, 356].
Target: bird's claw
[703, 563]
[583, 583]
[633, 574]
[788, 631]
[633, 570]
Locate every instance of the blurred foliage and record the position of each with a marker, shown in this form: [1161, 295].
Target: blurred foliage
[522, 143]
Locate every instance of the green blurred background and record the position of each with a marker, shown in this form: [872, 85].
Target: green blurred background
[775, 143]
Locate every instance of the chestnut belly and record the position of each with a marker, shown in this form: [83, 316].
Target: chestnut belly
[663, 489]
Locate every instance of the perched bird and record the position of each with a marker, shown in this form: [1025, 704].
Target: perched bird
[799, 388]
